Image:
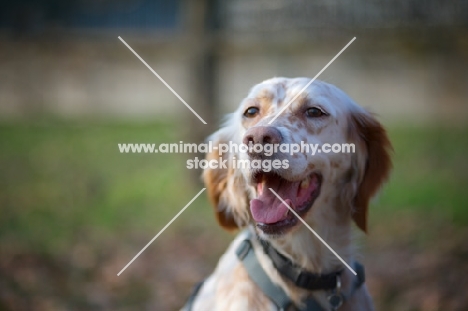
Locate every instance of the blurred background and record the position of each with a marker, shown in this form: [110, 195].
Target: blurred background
[74, 211]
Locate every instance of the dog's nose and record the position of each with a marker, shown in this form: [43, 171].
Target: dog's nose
[261, 135]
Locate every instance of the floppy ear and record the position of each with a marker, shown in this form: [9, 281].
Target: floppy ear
[226, 187]
[377, 163]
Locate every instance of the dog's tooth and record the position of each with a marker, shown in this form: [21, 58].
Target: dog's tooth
[305, 183]
[260, 188]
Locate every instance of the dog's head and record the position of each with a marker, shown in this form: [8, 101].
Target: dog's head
[329, 181]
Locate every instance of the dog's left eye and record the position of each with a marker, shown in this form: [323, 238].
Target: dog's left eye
[251, 112]
[315, 112]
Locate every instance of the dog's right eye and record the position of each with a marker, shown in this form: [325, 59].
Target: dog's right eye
[251, 112]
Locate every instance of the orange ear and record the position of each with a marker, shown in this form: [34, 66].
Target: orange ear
[377, 166]
[226, 187]
[216, 183]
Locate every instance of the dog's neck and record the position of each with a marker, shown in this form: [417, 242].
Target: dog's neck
[305, 250]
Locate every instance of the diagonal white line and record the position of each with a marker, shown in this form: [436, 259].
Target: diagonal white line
[162, 80]
[310, 82]
[162, 230]
[315, 233]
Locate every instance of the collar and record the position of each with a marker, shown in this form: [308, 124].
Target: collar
[277, 295]
[300, 277]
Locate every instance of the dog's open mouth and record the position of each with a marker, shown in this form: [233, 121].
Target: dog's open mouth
[270, 213]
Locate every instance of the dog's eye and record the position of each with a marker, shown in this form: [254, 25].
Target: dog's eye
[251, 112]
[315, 112]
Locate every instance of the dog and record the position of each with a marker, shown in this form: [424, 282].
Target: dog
[276, 263]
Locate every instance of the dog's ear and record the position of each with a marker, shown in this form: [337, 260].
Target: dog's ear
[226, 186]
[377, 164]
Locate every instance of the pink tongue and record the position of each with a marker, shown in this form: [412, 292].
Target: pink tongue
[267, 215]
[267, 208]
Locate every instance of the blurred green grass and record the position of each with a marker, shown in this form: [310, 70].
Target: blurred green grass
[430, 173]
[62, 180]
